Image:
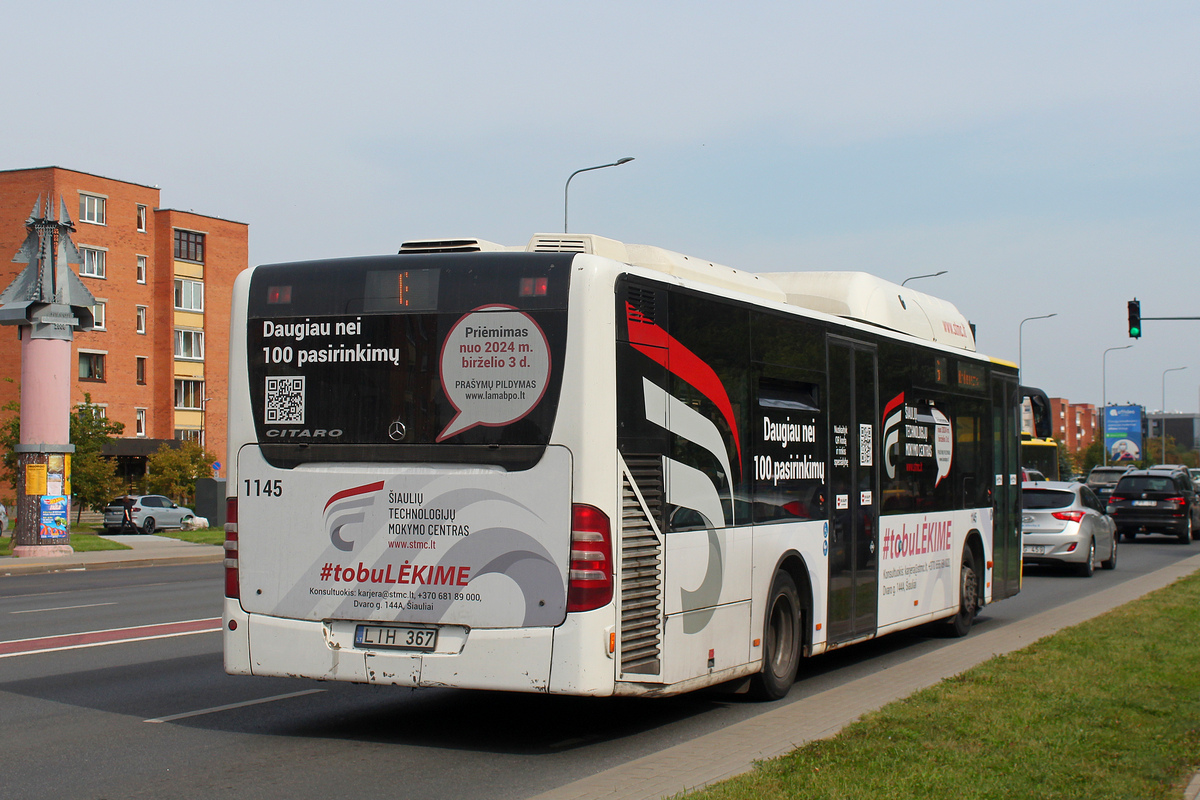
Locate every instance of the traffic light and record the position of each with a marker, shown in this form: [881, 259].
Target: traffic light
[1135, 319]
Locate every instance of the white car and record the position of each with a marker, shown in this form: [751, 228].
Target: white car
[144, 513]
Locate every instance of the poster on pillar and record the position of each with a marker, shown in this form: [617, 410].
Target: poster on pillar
[53, 519]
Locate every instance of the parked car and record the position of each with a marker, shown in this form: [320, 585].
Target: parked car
[1101, 480]
[144, 513]
[1031, 474]
[1063, 522]
[1155, 501]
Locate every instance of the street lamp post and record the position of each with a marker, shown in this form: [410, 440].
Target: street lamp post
[567, 188]
[930, 275]
[1104, 396]
[1163, 422]
[1021, 342]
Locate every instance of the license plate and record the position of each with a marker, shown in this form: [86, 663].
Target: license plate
[1034, 549]
[400, 637]
[1145, 502]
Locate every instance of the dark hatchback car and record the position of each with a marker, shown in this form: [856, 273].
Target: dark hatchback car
[1155, 501]
[1102, 480]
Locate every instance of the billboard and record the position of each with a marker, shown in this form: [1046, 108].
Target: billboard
[1123, 433]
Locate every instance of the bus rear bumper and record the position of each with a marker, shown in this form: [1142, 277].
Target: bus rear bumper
[504, 660]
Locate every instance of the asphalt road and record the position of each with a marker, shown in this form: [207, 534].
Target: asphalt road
[158, 718]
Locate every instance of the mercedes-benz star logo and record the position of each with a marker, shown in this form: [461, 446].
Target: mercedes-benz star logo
[396, 431]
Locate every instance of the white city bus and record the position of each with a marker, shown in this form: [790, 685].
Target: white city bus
[591, 468]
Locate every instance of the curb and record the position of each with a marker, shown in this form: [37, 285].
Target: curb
[13, 566]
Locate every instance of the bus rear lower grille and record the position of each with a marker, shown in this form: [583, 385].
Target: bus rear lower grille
[641, 571]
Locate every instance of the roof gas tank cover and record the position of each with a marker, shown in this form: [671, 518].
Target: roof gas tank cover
[851, 295]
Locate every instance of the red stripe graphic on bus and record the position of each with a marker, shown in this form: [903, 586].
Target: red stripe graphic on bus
[898, 400]
[370, 487]
[348, 507]
[655, 343]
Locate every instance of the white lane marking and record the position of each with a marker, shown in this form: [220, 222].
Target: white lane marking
[102, 644]
[137, 633]
[231, 706]
[60, 608]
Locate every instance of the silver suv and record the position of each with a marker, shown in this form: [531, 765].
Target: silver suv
[144, 513]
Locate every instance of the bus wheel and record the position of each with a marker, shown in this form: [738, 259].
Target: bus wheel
[968, 596]
[781, 640]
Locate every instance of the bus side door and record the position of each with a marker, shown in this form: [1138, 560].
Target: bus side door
[854, 490]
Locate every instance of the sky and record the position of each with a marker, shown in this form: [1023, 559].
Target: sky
[1045, 154]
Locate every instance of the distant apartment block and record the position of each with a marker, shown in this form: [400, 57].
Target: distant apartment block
[1075, 424]
[157, 360]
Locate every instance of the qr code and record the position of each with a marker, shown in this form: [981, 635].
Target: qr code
[866, 447]
[285, 400]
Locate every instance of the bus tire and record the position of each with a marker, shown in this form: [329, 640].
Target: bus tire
[781, 640]
[968, 596]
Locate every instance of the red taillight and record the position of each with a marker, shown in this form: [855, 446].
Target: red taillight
[1179, 501]
[1115, 498]
[233, 587]
[1068, 516]
[590, 583]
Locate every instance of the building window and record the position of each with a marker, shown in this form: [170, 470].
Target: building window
[189, 295]
[189, 246]
[141, 370]
[189, 395]
[91, 366]
[98, 410]
[98, 314]
[93, 262]
[189, 344]
[141, 319]
[187, 435]
[141, 269]
[91, 208]
[141, 218]
[141, 421]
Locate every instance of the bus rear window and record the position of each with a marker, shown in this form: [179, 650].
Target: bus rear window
[408, 358]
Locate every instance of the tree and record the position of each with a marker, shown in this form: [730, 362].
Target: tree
[10, 437]
[1066, 463]
[93, 477]
[94, 482]
[174, 472]
[1093, 456]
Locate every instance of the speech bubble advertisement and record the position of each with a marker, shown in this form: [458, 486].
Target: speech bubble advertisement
[495, 367]
[943, 445]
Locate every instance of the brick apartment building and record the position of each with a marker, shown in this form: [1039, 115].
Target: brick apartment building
[1075, 424]
[157, 360]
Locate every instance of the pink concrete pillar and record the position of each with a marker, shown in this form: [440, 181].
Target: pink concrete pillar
[46, 380]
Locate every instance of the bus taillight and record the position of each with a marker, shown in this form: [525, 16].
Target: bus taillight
[590, 583]
[233, 586]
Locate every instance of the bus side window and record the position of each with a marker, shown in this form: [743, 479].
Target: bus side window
[788, 431]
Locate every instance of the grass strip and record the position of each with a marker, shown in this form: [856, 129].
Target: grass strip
[1109, 708]
[82, 542]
